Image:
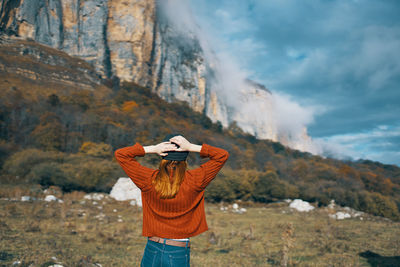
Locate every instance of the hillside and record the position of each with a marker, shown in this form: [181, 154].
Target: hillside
[60, 123]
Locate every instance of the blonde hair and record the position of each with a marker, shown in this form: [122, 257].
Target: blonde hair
[162, 183]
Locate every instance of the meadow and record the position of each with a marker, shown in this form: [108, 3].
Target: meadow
[87, 232]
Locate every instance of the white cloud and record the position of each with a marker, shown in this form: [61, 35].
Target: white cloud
[374, 144]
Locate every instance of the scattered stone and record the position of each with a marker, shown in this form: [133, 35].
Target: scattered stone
[114, 210]
[100, 216]
[94, 196]
[94, 203]
[124, 189]
[17, 262]
[300, 205]
[235, 209]
[340, 215]
[26, 198]
[50, 198]
[332, 204]
[288, 200]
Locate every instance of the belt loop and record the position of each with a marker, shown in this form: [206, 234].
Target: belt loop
[165, 240]
[186, 244]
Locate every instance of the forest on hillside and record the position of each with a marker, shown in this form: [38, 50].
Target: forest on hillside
[60, 124]
[68, 141]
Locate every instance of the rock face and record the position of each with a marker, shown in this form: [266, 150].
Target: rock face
[137, 40]
[127, 39]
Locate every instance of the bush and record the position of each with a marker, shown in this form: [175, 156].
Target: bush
[379, 205]
[22, 162]
[269, 188]
[100, 150]
[220, 190]
[47, 174]
[91, 175]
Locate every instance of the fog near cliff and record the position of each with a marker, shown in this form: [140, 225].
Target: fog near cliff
[275, 116]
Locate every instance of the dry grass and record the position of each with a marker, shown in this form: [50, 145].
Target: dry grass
[79, 232]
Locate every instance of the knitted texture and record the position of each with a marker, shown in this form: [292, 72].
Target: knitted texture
[184, 215]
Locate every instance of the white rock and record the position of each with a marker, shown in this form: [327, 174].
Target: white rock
[332, 204]
[301, 205]
[235, 206]
[60, 201]
[288, 200]
[49, 198]
[125, 189]
[17, 262]
[94, 196]
[25, 198]
[56, 265]
[114, 210]
[340, 215]
[242, 210]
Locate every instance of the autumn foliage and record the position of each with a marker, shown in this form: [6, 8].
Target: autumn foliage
[68, 141]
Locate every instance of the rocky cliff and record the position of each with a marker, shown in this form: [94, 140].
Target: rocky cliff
[136, 40]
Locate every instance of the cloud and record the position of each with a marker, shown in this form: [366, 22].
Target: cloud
[380, 143]
[339, 55]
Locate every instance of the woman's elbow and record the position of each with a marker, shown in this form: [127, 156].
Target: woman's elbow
[118, 154]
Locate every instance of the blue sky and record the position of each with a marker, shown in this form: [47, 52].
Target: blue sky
[340, 57]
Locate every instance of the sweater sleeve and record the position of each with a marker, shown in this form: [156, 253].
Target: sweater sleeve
[207, 171]
[139, 174]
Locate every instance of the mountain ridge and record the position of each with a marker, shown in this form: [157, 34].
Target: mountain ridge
[139, 41]
[48, 126]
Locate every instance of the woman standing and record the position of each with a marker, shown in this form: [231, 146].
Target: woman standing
[172, 197]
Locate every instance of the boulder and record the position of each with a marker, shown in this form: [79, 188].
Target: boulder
[301, 205]
[125, 189]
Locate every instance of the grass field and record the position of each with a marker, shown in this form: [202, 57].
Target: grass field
[82, 232]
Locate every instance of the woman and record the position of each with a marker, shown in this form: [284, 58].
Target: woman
[172, 197]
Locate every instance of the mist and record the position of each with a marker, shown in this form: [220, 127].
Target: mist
[267, 114]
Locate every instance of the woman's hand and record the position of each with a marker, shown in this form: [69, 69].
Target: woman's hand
[184, 144]
[161, 148]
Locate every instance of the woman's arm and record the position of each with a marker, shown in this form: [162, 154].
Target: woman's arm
[207, 171]
[185, 145]
[139, 174]
[160, 148]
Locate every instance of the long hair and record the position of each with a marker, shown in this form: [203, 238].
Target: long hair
[162, 183]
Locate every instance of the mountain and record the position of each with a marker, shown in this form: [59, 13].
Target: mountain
[142, 42]
[60, 122]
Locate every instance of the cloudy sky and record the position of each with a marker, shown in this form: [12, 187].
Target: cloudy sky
[340, 57]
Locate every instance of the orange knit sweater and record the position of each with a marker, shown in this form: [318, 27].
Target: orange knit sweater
[182, 216]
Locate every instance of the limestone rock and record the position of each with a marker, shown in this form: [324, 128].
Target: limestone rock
[125, 189]
[138, 41]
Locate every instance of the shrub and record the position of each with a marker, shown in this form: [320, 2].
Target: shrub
[379, 205]
[91, 175]
[268, 188]
[220, 190]
[100, 150]
[47, 174]
[21, 163]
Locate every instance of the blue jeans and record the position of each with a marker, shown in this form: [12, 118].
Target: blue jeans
[158, 254]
